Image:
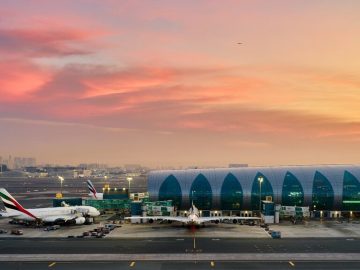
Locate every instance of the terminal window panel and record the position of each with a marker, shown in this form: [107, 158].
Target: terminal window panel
[292, 191]
[231, 193]
[266, 190]
[323, 193]
[351, 193]
[170, 190]
[201, 193]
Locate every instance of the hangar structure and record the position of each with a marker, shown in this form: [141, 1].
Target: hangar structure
[322, 188]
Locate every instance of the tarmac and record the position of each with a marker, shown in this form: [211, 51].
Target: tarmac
[180, 265]
[308, 229]
[179, 245]
[338, 257]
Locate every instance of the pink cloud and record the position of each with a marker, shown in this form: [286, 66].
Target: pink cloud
[19, 79]
[164, 99]
[44, 43]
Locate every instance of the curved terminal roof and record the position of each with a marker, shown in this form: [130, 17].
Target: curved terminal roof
[322, 187]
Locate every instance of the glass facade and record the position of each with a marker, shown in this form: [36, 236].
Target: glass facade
[231, 193]
[323, 193]
[170, 190]
[266, 190]
[351, 193]
[201, 193]
[292, 191]
[326, 188]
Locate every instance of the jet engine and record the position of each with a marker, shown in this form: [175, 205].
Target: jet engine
[80, 220]
[216, 221]
[151, 220]
[235, 221]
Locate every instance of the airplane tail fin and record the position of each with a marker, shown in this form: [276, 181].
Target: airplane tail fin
[12, 205]
[91, 189]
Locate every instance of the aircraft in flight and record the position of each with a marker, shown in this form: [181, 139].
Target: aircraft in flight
[56, 215]
[93, 193]
[194, 218]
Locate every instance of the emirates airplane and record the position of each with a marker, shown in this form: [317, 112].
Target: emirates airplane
[93, 193]
[56, 215]
[194, 218]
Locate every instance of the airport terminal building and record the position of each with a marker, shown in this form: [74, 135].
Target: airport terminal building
[322, 188]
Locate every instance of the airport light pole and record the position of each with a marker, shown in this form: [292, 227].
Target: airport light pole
[260, 179]
[129, 180]
[61, 183]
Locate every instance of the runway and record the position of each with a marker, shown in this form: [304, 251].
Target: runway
[179, 265]
[177, 245]
[183, 257]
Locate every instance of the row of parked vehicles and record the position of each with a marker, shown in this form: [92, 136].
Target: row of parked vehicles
[14, 232]
[52, 228]
[98, 232]
[273, 234]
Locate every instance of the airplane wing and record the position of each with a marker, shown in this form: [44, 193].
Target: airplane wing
[4, 214]
[221, 218]
[64, 218]
[170, 218]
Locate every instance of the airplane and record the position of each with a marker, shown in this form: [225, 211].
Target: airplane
[93, 193]
[193, 218]
[68, 215]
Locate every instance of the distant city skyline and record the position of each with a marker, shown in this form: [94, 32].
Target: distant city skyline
[181, 83]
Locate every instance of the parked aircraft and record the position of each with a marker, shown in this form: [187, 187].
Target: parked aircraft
[55, 215]
[93, 193]
[194, 218]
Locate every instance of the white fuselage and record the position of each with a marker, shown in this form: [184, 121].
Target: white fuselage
[193, 219]
[193, 216]
[45, 213]
[99, 196]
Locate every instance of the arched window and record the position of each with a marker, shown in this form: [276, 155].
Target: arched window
[266, 190]
[201, 193]
[323, 193]
[292, 191]
[170, 190]
[351, 192]
[231, 193]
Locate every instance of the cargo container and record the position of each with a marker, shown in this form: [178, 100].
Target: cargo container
[118, 194]
[123, 206]
[159, 208]
[267, 208]
[136, 208]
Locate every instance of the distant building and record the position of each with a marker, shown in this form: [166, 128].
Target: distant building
[3, 168]
[93, 166]
[8, 162]
[238, 165]
[82, 173]
[133, 167]
[64, 171]
[22, 162]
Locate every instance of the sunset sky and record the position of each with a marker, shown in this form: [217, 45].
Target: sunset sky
[166, 83]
